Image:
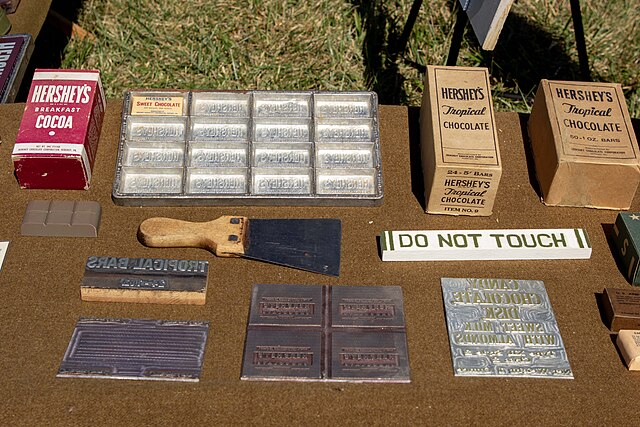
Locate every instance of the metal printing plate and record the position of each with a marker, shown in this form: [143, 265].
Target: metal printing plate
[326, 333]
[503, 328]
[282, 354]
[369, 356]
[137, 349]
[286, 305]
[295, 148]
[367, 307]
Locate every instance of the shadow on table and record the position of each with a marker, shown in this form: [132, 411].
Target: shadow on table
[50, 44]
[417, 178]
[528, 153]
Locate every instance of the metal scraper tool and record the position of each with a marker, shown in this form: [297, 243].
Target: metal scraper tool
[307, 244]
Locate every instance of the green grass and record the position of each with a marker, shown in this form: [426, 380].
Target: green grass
[346, 45]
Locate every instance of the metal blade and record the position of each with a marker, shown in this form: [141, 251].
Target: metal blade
[307, 244]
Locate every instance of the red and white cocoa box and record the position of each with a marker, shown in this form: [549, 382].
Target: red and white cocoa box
[58, 137]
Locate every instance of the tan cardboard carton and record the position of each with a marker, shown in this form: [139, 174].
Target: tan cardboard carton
[460, 155]
[583, 145]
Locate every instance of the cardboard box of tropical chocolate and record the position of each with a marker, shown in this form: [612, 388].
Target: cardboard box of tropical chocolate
[460, 155]
[58, 136]
[583, 145]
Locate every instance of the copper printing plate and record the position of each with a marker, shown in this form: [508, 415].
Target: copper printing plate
[326, 333]
[135, 349]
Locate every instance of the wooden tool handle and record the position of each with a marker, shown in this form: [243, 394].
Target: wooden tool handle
[223, 236]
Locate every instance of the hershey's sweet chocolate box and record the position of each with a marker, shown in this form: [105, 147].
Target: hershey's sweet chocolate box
[58, 136]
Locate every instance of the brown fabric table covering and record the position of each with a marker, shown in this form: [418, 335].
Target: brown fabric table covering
[29, 17]
[40, 284]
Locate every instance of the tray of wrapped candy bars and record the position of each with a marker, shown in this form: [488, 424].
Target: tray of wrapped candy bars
[182, 148]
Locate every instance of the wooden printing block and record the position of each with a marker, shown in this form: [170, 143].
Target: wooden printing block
[145, 280]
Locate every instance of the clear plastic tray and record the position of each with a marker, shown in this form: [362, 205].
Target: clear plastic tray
[249, 148]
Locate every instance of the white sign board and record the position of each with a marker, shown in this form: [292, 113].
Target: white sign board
[468, 245]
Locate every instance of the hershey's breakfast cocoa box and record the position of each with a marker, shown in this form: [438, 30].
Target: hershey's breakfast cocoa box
[58, 136]
[583, 144]
[459, 143]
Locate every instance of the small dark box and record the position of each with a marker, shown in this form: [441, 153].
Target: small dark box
[621, 308]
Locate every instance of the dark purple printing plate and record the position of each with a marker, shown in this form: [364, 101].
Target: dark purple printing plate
[136, 349]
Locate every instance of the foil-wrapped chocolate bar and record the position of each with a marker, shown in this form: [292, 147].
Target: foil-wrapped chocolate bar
[15, 51]
[326, 333]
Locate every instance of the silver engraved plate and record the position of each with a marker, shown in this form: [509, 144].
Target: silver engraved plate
[282, 355]
[156, 129]
[217, 181]
[503, 328]
[135, 349]
[286, 305]
[326, 333]
[275, 104]
[153, 154]
[219, 130]
[369, 356]
[220, 104]
[348, 105]
[367, 307]
[292, 148]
